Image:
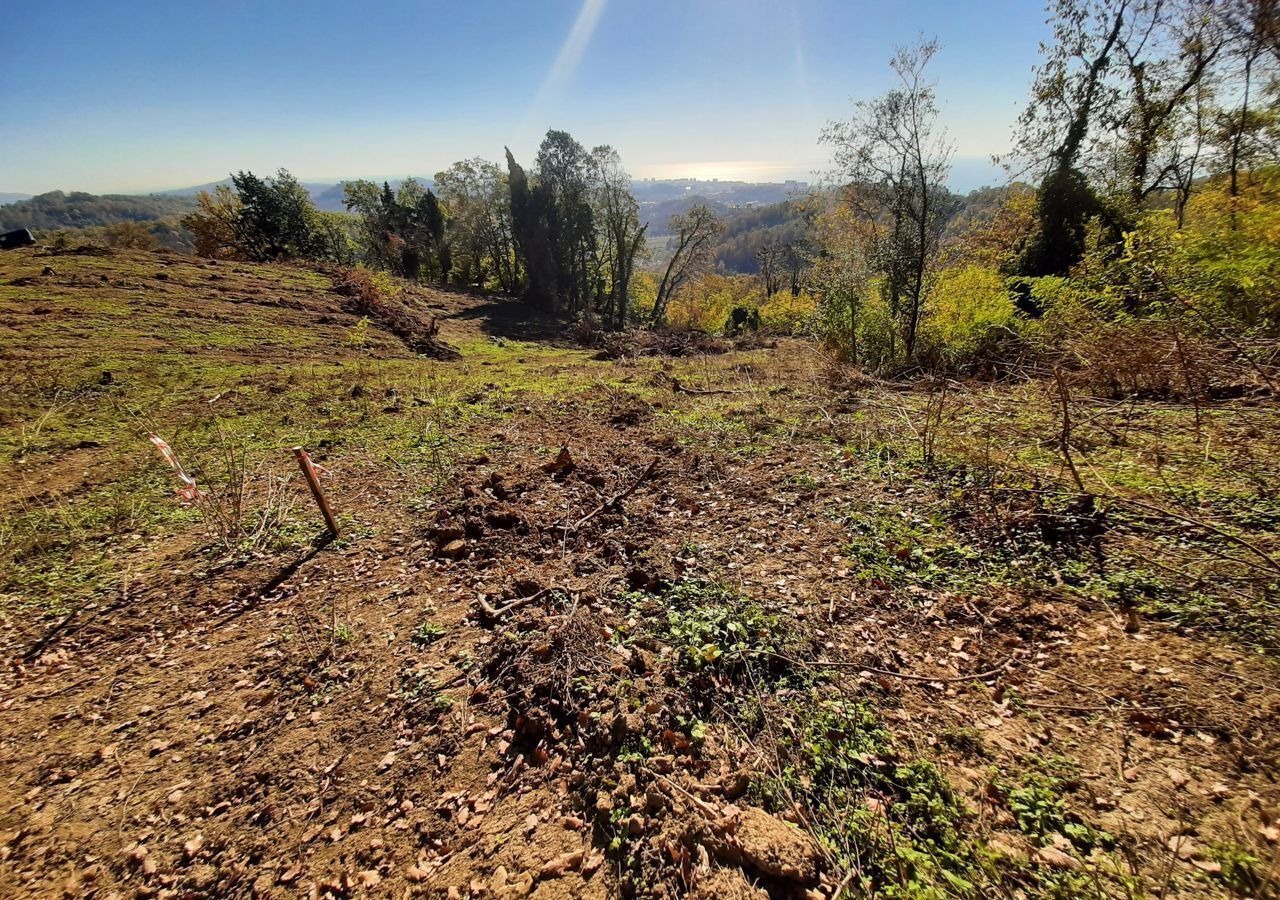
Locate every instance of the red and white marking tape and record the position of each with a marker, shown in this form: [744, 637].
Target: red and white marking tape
[188, 492]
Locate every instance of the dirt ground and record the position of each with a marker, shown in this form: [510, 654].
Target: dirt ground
[731, 624]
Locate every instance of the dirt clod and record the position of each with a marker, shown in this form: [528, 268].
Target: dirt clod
[750, 837]
[455, 549]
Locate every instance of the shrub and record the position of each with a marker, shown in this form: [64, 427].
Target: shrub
[129, 236]
[787, 313]
[742, 318]
[971, 316]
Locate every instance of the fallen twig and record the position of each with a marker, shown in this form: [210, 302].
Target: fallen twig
[492, 612]
[1270, 561]
[1118, 706]
[874, 671]
[929, 678]
[679, 388]
[616, 498]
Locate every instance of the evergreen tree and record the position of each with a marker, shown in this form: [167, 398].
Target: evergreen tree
[529, 225]
[275, 219]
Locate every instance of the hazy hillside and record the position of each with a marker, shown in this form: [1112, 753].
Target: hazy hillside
[747, 229]
[327, 196]
[12, 198]
[660, 200]
[658, 215]
[56, 210]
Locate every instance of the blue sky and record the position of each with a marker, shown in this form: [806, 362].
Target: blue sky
[144, 95]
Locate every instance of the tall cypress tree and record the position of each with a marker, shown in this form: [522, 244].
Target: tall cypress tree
[530, 229]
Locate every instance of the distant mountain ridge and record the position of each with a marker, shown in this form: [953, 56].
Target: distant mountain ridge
[12, 198]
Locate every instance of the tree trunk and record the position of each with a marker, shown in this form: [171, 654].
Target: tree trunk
[1237, 139]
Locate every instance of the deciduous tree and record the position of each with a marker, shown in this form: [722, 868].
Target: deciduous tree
[695, 232]
[621, 236]
[477, 201]
[214, 222]
[894, 160]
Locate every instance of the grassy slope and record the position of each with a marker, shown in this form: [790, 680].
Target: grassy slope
[239, 713]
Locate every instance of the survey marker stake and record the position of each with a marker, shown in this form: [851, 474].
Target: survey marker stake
[313, 481]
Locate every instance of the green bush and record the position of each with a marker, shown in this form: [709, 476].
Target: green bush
[971, 314]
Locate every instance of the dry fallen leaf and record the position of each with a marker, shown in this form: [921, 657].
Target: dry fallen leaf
[1182, 846]
[594, 861]
[561, 864]
[562, 464]
[1056, 859]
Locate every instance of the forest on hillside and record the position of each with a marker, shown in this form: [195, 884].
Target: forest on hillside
[77, 209]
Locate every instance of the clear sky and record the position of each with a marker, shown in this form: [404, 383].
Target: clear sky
[136, 95]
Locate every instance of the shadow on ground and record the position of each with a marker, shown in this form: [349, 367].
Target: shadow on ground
[513, 319]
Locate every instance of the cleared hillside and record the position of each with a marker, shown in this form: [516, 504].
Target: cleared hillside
[722, 625]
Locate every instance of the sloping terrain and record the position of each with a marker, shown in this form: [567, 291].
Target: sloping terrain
[730, 625]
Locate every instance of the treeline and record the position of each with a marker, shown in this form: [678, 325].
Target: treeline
[1143, 213]
[268, 218]
[787, 229]
[576, 228]
[564, 234]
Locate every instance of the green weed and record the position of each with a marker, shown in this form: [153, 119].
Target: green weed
[896, 821]
[428, 633]
[1242, 872]
[342, 633]
[715, 629]
[1038, 805]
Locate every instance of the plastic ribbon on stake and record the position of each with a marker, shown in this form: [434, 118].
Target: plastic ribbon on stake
[188, 492]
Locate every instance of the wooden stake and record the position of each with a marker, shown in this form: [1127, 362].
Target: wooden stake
[313, 481]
